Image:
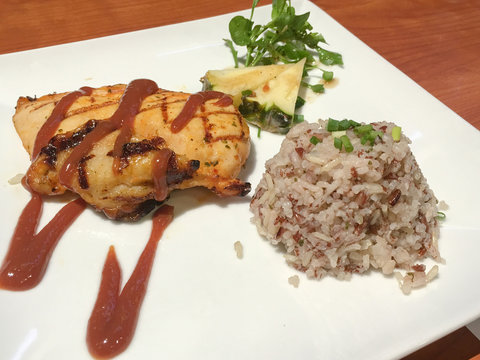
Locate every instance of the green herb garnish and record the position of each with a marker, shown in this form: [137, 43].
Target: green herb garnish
[346, 143]
[441, 216]
[336, 125]
[396, 133]
[370, 137]
[337, 143]
[286, 38]
[367, 134]
[327, 75]
[314, 140]
[297, 118]
[317, 88]
[363, 129]
[299, 103]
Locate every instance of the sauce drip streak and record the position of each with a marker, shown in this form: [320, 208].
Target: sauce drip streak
[159, 172]
[123, 118]
[50, 126]
[28, 255]
[194, 101]
[114, 317]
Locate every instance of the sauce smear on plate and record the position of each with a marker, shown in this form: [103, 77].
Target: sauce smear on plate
[28, 254]
[114, 317]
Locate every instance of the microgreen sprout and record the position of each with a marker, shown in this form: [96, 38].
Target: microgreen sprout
[286, 38]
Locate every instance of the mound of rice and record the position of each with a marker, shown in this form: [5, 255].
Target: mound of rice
[338, 212]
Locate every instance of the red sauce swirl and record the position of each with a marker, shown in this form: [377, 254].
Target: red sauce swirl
[114, 317]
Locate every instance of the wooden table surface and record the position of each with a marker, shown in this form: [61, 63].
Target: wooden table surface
[435, 42]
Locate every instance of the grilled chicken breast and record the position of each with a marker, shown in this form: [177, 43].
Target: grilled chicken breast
[209, 150]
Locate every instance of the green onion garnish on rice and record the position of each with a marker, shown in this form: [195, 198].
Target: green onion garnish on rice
[396, 133]
[370, 136]
[332, 125]
[337, 143]
[342, 125]
[441, 216]
[363, 129]
[314, 140]
[346, 143]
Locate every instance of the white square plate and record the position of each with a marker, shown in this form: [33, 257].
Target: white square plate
[202, 302]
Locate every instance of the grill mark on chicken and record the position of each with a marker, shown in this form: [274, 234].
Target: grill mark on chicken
[35, 108]
[228, 137]
[132, 214]
[138, 148]
[164, 107]
[92, 107]
[66, 141]
[82, 172]
[239, 188]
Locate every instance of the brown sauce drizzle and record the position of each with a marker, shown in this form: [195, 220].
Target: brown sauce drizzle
[159, 172]
[114, 317]
[123, 118]
[50, 126]
[28, 254]
[192, 105]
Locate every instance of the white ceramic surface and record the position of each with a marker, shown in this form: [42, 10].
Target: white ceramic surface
[202, 302]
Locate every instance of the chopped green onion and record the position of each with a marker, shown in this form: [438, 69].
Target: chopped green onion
[364, 139]
[441, 216]
[336, 125]
[354, 123]
[298, 118]
[396, 133]
[299, 103]
[314, 140]
[318, 88]
[327, 75]
[363, 129]
[337, 143]
[346, 143]
[344, 124]
[332, 125]
[367, 134]
[247, 93]
[258, 132]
